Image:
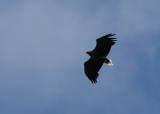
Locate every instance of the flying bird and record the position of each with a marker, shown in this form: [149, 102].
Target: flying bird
[98, 57]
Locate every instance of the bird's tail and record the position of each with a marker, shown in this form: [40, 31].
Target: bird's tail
[108, 62]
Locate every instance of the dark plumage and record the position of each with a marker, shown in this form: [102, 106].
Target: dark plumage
[98, 57]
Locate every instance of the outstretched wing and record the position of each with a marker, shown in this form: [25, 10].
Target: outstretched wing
[91, 69]
[104, 44]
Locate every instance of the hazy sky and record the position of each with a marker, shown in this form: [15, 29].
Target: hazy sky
[42, 44]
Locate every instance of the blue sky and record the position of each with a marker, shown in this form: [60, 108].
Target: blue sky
[42, 46]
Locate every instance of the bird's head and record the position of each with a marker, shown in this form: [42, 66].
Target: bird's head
[88, 52]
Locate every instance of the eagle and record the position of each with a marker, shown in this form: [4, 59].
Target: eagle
[98, 56]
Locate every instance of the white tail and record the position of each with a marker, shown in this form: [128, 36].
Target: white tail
[110, 62]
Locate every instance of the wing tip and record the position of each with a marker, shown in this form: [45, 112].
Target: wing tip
[92, 77]
[93, 81]
[113, 40]
[109, 35]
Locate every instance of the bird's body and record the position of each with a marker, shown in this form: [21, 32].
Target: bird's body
[98, 57]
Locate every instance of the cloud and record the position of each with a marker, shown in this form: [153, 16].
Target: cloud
[42, 45]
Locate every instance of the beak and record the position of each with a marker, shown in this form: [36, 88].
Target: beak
[85, 52]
